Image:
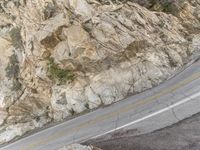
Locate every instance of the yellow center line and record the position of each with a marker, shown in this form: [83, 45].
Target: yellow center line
[114, 113]
[162, 93]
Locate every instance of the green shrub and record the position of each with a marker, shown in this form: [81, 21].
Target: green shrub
[12, 70]
[49, 11]
[16, 38]
[72, 112]
[168, 6]
[56, 73]
[87, 106]
[16, 85]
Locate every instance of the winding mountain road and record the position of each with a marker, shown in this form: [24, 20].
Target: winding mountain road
[166, 104]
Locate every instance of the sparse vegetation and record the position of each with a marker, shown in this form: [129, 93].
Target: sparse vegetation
[167, 6]
[16, 85]
[15, 2]
[162, 35]
[72, 112]
[12, 72]
[135, 47]
[49, 11]
[50, 41]
[87, 106]
[16, 38]
[57, 73]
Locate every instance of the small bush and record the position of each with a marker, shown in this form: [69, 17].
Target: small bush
[87, 106]
[49, 11]
[72, 112]
[16, 85]
[12, 70]
[168, 6]
[16, 38]
[56, 73]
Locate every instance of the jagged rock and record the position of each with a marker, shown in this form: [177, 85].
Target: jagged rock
[82, 8]
[60, 58]
[12, 131]
[3, 116]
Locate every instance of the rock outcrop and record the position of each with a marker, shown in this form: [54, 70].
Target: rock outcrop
[62, 57]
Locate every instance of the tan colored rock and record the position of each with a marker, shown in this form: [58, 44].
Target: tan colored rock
[3, 116]
[60, 58]
[81, 7]
[10, 132]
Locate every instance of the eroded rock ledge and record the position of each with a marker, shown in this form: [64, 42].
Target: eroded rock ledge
[59, 58]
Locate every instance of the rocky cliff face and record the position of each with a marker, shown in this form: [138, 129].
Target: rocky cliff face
[62, 57]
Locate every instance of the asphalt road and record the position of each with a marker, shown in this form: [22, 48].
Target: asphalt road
[184, 135]
[172, 101]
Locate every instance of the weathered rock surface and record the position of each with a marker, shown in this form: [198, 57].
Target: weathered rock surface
[63, 57]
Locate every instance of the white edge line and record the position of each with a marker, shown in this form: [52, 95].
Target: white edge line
[151, 115]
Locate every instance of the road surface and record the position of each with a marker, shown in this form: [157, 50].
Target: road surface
[166, 104]
[184, 135]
